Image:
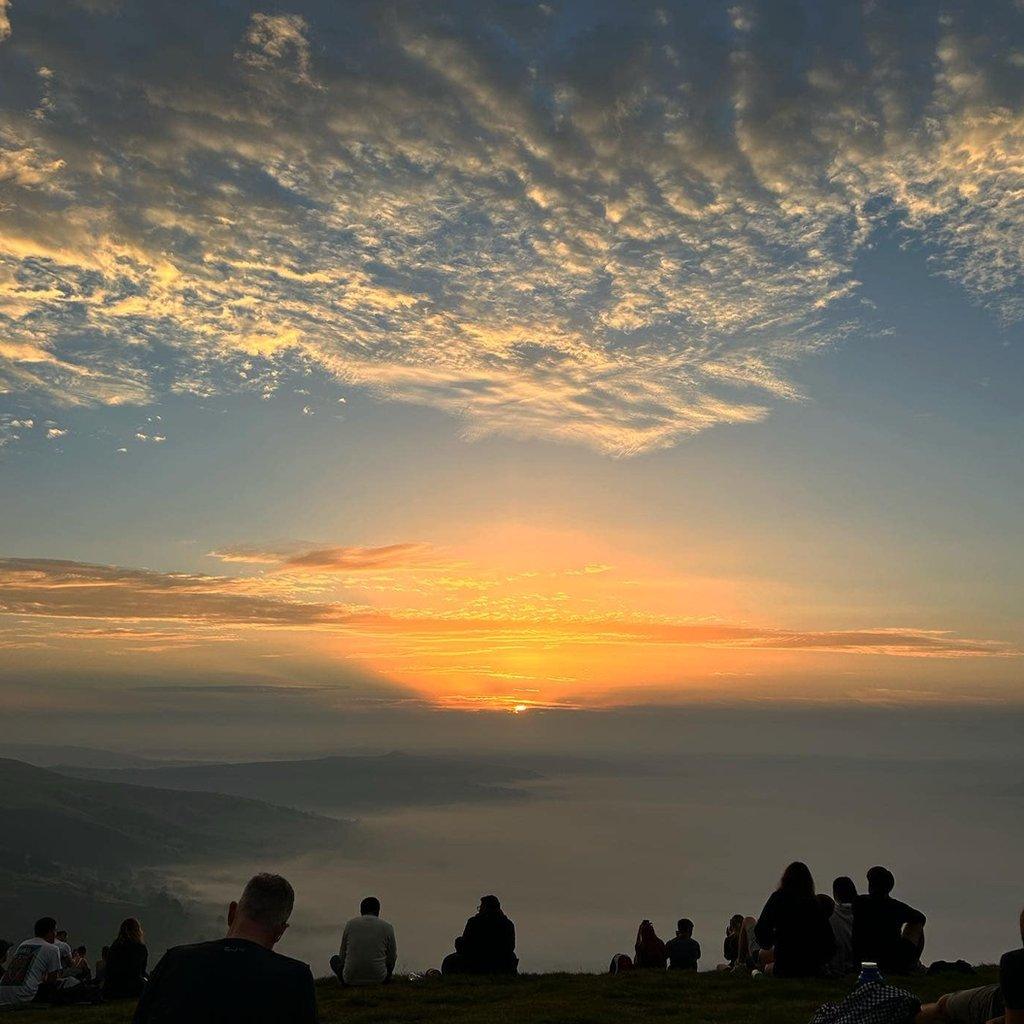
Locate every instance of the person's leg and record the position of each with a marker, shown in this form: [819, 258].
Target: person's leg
[747, 945]
[336, 969]
[968, 1006]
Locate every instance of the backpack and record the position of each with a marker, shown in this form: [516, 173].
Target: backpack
[873, 1003]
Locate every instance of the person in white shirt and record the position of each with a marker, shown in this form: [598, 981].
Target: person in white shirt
[62, 944]
[368, 948]
[33, 965]
[844, 892]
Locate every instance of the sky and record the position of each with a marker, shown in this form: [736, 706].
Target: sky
[372, 358]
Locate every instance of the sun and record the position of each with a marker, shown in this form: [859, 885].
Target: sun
[518, 709]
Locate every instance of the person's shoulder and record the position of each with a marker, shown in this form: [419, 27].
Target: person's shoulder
[299, 970]
[1012, 961]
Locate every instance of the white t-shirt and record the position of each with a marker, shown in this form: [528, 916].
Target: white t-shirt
[66, 956]
[368, 950]
[27, 969]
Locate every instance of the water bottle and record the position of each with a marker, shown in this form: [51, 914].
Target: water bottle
[869, 975]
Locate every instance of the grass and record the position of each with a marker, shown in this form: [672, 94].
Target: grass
[567, 999]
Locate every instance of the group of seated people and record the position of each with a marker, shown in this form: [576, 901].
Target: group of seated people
[45, 968]
[800, 933]
[239, 978]
[680, 953]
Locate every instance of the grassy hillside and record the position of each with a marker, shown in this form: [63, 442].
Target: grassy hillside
[566, 999]
[53, 819]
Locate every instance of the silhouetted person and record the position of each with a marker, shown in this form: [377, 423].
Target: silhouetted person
[66, 953]
[124, 972]
[684, 950]
[455, 963]
[1003, 1003]
[731, 945]
[794, 927]
[101, 965]
[81, 969]
[844, 892]
[649, 949]
[237, 979]
[368, 948]
[886, 931]
[489, 940]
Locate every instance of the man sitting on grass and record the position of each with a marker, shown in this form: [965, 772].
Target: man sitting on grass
[684, 950]
[886, 931]
[368, 948]
[988, 1004]
[238, 979]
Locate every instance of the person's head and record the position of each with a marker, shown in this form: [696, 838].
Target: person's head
[843, 890]
[684, 928]
[370, 905]
[81, 951]
[735, 923]
[797, 880]
[61, 935]
[261, 913]
[489, 905]
[131, 931]
[46, 928]
[646, 931]
[880, 881]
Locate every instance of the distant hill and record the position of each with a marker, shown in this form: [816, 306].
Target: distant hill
[47, 755]
[51, 818]
[339, 783]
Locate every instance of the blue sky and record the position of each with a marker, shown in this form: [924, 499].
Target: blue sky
[540, 316]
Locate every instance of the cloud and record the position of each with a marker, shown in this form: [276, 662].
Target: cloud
[60, 589]
[328, 559]
[609, 226]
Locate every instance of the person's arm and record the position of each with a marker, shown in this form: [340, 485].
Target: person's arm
[144, 1009]
[343, 950]
[1011, 985]
[696, 950]
[390, 952]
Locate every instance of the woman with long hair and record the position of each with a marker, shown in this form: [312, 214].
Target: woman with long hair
[650, 950]
[793, 931]
[124, 974]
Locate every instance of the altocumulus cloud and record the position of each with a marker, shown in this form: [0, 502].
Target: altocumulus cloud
[615, 224]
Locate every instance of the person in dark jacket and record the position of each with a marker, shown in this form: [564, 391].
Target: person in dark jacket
[684, 950]
[124, 975]
[489, 940]
[795, 928]
[886, 931]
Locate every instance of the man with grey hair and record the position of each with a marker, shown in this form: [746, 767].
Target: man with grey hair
[238, 978]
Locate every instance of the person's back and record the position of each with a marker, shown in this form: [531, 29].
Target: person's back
[368, 948]
[31, 966]
[124, 974]
[794, 926]
[844, 893]
[683, 951]
[649, 949]
[885, 930]
[489, 940]
[238, 979]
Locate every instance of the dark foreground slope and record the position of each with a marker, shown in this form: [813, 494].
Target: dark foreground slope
[566, 999]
